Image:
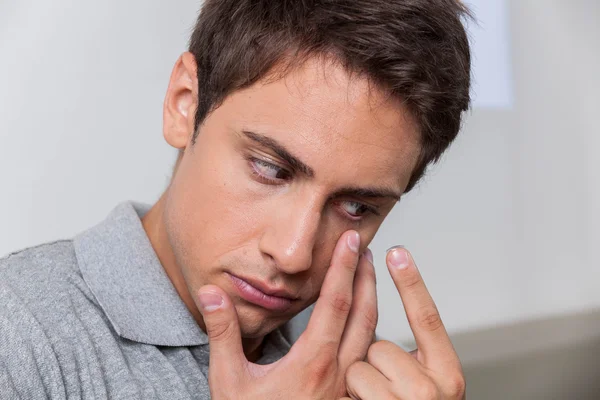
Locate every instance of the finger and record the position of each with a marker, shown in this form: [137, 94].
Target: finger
[362, 320]
[227, 357]
[328, 319]
[425, 322]
[408, 378]
[393, 362]
[364, 382]
[414, 353]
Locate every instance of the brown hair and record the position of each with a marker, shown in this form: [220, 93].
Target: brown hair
[417, 50]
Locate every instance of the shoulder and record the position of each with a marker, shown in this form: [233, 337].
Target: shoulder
[57, 254]
[43, 273]
[44, 259]
[35, 284]
[45, 283]
[46, 279]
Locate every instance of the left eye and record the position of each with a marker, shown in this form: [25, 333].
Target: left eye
[355, 208]
[268, 171]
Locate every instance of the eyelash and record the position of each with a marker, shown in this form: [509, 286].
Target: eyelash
[253, 161]
[265, 179]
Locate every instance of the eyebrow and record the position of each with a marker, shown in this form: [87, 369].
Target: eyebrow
[281, 151]
[370, 192]
[299, 165]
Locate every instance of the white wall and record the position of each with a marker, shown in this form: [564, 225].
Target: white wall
[504, 230]
[81, 92]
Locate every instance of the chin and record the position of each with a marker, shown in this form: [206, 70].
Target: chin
[256, 322]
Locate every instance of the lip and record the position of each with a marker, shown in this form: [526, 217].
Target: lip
[262, 295]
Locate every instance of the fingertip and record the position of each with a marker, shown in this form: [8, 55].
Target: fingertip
[369, 268]
[220, 318]
[353, 240]
[210, 298]
[347, 251]
[398, 257]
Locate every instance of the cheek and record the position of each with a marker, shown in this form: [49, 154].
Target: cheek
[210, 211]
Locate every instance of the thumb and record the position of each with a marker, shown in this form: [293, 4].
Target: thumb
[223, 329]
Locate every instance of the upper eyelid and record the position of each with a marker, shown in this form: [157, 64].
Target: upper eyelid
[266, 163]
[354, 199]
[370, 208]
[270, 162]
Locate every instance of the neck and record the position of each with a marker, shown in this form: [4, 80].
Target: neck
[153, 223]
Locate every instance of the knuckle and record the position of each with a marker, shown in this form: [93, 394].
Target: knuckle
[457, 386]
[411, 279]
[320, 373]
[341, 304]
[327, 352]
[426, 390]
[428, 318]
[353, 371]
[351, 264]
[355, 377]
[323, 366]
[219, 331]
[371, 317]
[378, 348]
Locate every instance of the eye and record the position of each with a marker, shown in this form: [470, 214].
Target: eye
[268, 171]
[356, 209]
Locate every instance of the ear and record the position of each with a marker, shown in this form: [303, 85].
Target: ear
[180, 104]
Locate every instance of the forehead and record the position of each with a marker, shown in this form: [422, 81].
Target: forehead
[339, 123]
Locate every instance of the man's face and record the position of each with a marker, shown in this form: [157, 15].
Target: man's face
[278, 172]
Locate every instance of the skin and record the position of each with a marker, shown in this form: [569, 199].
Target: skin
[237, 206]
[433, 371]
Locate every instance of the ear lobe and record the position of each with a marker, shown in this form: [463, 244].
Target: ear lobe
[179, 109]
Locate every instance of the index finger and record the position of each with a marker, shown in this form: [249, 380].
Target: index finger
[425, 322]
[328, 319]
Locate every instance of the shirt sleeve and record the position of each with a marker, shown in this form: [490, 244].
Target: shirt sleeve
[28, 367]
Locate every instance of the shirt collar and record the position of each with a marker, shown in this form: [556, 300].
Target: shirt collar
[119, 265]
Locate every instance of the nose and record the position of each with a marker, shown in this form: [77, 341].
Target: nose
[291, 235]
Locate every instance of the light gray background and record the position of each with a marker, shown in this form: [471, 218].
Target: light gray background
[505, 229]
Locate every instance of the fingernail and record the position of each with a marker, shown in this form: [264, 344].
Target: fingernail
[210, 301]
[354, 241]
[397, 246]
[369, 255]
[398, 257]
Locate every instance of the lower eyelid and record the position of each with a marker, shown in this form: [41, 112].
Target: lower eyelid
[354, 218]
[259, 175]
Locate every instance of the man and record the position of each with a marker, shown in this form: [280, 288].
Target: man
[299, 124]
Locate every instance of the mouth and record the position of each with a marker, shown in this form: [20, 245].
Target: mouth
[260, 294]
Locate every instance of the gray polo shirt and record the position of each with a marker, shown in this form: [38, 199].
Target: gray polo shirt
[96, 317]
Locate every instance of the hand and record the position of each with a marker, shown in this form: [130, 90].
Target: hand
[433, 371]
[338, 334]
